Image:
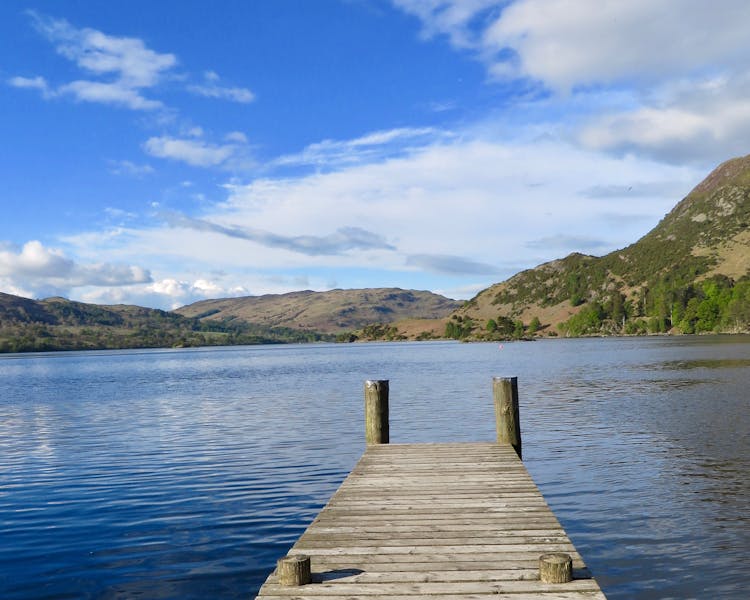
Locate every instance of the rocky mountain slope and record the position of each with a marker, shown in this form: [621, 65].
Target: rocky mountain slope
[689, 274]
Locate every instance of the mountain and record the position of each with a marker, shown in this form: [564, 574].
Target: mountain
[689, 274]
[331, 312]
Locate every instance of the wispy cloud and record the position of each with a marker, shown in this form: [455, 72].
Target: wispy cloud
[129, 168]
[367, 148]
[195, 152]
[32, 83]
[570, 243]
[122, 70]
[211, 89]
[450, 265]
[130, 66]
[115, 93]
[636, 189]
[343, 240]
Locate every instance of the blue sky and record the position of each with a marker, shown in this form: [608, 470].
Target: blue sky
[160, 153]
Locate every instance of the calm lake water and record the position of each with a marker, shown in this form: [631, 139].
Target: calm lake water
[187, 473]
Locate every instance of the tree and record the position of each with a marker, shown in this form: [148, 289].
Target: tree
[534, 325]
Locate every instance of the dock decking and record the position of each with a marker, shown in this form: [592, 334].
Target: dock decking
[427, 521]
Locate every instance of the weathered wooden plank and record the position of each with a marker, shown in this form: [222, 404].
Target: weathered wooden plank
[553, 595]
[498, 558]
[435, 521]
[344, 588]
[494, 549]
[348, 541]
[326, 564]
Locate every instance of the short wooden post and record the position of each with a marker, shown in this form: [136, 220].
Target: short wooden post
[294, 570]
[555, 568]
[505, 394]
[376, 411]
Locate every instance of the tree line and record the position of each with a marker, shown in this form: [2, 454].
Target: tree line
[716, 304]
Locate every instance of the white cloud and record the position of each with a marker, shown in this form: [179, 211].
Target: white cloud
[167, 294]
[478, 203]
[683, 65]
[454, 18]
[108, 93]
[565, 44]
[131, 65]
[126, 167]
[236, 136]
[234, 94]
[703, 121]
[40, 271]
[122, 67]
[193, 152]
[34, 260]
[128, 59]
[451, 214]
[31, 83]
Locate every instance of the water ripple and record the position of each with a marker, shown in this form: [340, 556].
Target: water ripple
[185, 474]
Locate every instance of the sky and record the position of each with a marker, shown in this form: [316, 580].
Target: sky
[160, 153]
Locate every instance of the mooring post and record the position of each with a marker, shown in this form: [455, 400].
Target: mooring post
[555, 568]
[376, 411]
[505, 394]
[294, 570]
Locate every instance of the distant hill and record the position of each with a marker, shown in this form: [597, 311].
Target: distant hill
[60, 324]
[690, 274]
[332, 312]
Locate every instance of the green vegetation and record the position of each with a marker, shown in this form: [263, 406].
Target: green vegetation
[717, 304]
[461, 327]
[381, 331]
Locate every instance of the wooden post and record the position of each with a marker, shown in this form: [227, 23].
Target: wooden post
[376, 411]
[505, 394]
[555, 568]
[294, 570]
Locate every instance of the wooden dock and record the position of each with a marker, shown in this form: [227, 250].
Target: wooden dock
[448, 521]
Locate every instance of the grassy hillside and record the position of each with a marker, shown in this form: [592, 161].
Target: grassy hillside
[332, 312]
[690, 274]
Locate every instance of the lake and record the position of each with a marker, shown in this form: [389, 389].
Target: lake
[187, 473]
